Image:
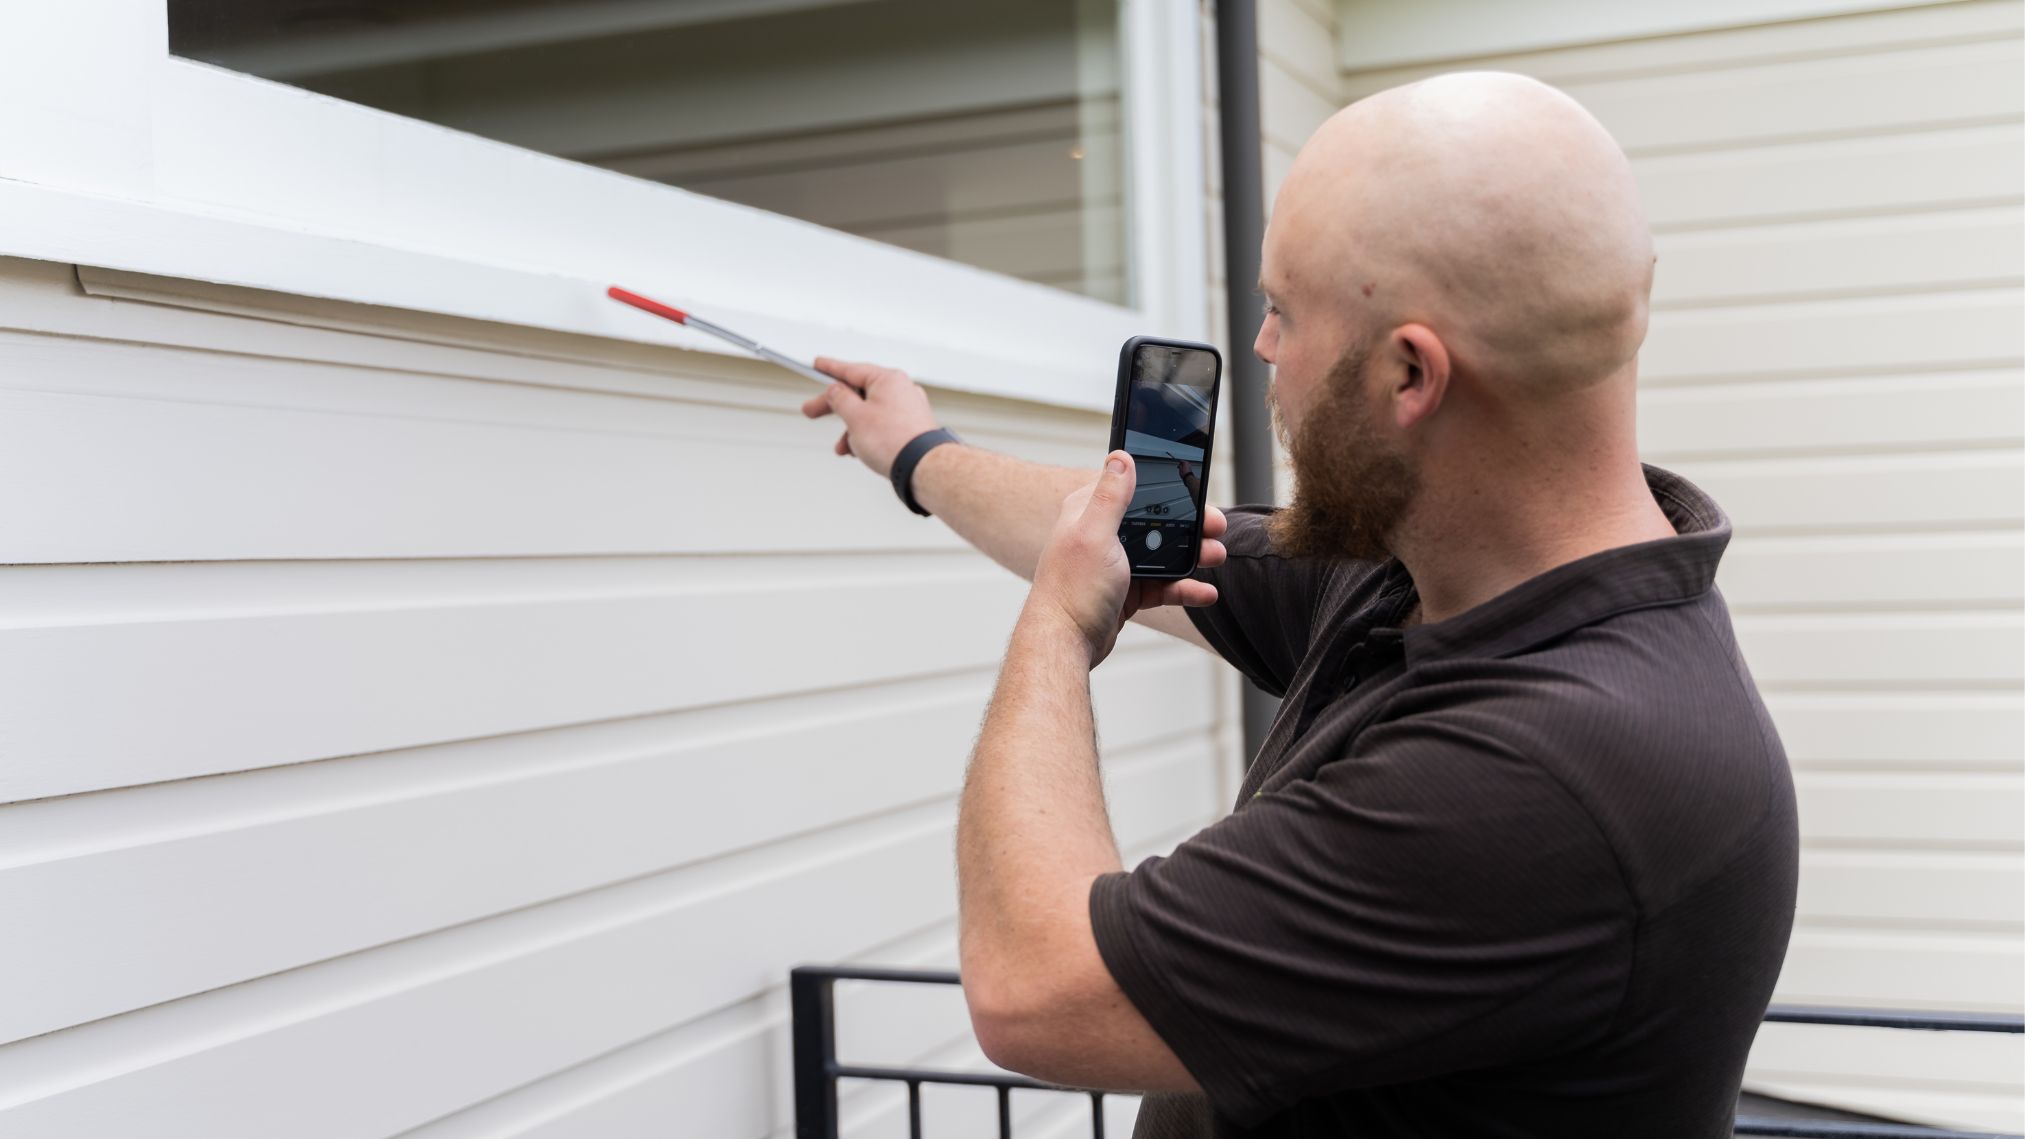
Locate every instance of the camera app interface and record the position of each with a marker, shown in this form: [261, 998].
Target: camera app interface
[1167, 423]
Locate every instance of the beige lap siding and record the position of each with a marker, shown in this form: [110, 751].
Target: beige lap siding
[467, 729]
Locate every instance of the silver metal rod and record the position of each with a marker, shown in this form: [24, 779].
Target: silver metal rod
[760, 350]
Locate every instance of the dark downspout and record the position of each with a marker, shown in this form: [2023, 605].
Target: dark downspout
[1244, 229]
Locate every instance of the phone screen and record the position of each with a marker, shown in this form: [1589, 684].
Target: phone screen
[1168, 412]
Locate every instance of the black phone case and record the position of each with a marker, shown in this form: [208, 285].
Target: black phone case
[1118, 406]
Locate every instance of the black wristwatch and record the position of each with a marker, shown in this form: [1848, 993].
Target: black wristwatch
[903, 463]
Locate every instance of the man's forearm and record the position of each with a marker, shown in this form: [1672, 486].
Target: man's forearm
[1006, 507]
[1002, 505]
[1032, 829]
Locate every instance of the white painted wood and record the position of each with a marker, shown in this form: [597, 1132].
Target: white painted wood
[1956, 85]
[1982, 1086]
[381, 346]
[1981, 890]
[1290, 107]
[1394, 31]
[740, 1053]
[1974, 1058]
[1939, 731]
[76, 86]
[254, 184]
[1962, 167]
[1893, 811]
[1968, 1107]
[1918, 650]
[55, 225]
[1389, 32]
[1868, 414]
[1982, 248]
[1936, 970]
[1163, 83]
[1966, 329]
[1302, 42]
[1982, 570]
[1943, 490]
[486, 471]
[348, 854]
[1877, 28]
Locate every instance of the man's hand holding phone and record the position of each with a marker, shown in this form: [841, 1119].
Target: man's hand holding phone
[1084, 581]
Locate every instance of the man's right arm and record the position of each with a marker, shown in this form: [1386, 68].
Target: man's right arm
[1006, 507]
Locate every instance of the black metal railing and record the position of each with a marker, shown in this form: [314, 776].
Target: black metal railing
[1877, 1018]
[816, 1069]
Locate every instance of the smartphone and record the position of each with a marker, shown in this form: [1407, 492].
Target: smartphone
[1164, 416]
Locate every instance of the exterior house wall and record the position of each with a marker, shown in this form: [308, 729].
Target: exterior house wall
[398, 742]
[463, 728]
[1835, 354]
[439, 726]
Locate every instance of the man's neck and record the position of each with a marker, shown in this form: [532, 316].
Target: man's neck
[1469, 548]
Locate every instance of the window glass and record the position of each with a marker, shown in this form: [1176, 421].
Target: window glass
[985, 131]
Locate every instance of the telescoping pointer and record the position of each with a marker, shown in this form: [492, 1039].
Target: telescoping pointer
[689, 320]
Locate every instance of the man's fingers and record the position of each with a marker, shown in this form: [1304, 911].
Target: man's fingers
[844, 443]
[1113, 491]
[841, 369]
[1214, 523]
[816, 406]
[1212, 553]
[1188, 591]
[844, 400]
[859, 375]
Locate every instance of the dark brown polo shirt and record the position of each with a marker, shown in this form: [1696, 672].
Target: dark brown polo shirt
[1528, 871]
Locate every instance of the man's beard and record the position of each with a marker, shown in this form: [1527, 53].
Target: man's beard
[1351, 489]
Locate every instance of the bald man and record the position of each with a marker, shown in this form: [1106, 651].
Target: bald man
[1518, 855]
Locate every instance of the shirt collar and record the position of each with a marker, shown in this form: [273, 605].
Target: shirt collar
[1663, 571]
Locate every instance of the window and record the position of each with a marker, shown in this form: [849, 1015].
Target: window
[223, 168]
[989, 132]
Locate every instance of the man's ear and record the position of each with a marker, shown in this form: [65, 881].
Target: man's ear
[1422, 380]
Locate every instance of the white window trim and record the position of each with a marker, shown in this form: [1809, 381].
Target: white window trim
[120, 156]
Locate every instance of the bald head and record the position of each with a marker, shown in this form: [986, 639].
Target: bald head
[1486, 205]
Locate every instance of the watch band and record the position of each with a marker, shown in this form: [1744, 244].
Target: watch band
[903, 463]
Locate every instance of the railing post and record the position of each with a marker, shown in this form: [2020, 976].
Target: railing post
[814, 1020]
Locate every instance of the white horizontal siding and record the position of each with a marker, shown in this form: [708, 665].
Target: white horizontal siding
[353, 852]
[491, 717]
[1835, 354]
[436, 1023]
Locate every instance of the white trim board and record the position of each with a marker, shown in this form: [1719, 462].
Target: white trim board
[45, 224]
[205, 175]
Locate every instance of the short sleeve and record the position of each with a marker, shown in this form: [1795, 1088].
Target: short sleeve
[1264, 614]
[1431, 902]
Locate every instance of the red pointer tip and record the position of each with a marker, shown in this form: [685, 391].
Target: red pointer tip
[653, 306]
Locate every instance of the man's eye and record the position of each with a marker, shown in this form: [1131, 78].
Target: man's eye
[1271, 309]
